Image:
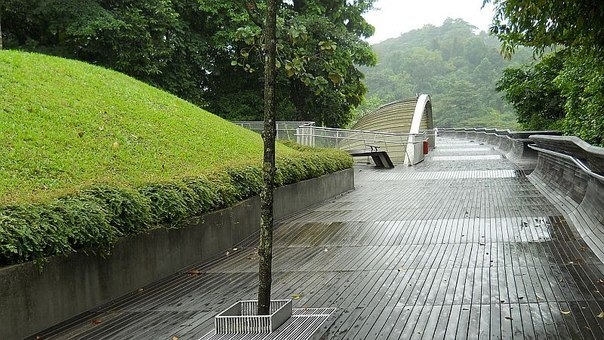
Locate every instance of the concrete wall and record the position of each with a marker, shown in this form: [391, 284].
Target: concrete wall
[32, 300]
[591, 156]
[578, 193]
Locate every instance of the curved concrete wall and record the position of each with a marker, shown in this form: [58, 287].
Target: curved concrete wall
[32, 300]
[567, 170]
[591, 156]
[514, 145]
[573, 187]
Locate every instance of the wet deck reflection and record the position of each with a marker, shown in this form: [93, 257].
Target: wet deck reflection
[460, 246]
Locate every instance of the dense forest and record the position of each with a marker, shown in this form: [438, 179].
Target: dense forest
[210, 52]
[564, 90]
[453, 63]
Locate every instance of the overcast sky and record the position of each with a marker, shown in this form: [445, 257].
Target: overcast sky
[393, 17]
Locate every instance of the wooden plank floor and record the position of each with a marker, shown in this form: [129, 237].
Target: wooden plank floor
[459, 246]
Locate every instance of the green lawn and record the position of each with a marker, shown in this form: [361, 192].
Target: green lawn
[66, 125]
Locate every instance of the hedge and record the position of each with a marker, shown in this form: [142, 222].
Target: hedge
[94, 219]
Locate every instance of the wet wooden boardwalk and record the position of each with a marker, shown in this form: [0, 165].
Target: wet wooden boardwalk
[460, 246]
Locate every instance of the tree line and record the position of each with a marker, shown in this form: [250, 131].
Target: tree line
[564, 89]
[209, 52]
[458, 66]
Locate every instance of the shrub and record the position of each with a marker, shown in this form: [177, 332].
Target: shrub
[32, 232]
[93, 219]
[128, 210]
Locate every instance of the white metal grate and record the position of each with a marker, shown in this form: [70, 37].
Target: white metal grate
[303, 324]
[242, 317]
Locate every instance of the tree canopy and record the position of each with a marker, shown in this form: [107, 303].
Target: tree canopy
[532, 90]
[545, 23]
[208, 52]
[577, 28]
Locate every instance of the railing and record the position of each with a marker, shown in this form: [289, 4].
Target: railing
[401, 147]
[587, 157]
[285, 129]
[396, 144]
[514, 144]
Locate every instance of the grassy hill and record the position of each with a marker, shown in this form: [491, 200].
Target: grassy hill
[89, 155]
[66, 125]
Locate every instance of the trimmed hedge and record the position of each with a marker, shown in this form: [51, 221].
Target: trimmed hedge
[93, 219]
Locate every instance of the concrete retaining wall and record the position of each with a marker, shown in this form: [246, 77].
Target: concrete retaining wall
[32, 300]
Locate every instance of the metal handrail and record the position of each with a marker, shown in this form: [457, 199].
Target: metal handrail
[384, 133]
[401, 145]
[577, 162]
[338, 138]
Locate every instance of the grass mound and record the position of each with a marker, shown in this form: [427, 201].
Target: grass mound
[66, 125]
[90, 155]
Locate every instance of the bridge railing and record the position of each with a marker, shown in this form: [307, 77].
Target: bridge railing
[396, 144]
[402, 147]
[286, 130]
[514, 144]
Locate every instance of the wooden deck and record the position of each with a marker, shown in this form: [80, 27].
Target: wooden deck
[459, 246]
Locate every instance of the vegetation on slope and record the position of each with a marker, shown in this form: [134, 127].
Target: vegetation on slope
[66, 125]
[90, 155]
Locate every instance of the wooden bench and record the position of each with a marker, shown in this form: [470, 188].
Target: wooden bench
[380, 158]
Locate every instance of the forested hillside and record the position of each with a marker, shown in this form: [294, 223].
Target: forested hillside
[456, 66]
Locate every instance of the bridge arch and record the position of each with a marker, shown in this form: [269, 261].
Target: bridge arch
[410, 116]
[420, 122]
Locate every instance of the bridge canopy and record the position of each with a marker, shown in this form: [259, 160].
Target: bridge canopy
[398, 116]
[412, 117]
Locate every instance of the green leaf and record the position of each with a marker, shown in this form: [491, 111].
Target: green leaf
[335, 78]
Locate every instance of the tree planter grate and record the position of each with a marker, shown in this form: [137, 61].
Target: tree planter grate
[242, 317]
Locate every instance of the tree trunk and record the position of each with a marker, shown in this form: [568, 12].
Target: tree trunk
[265, 247]
[1, 29]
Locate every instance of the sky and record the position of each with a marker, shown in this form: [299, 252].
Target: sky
[393, 17]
